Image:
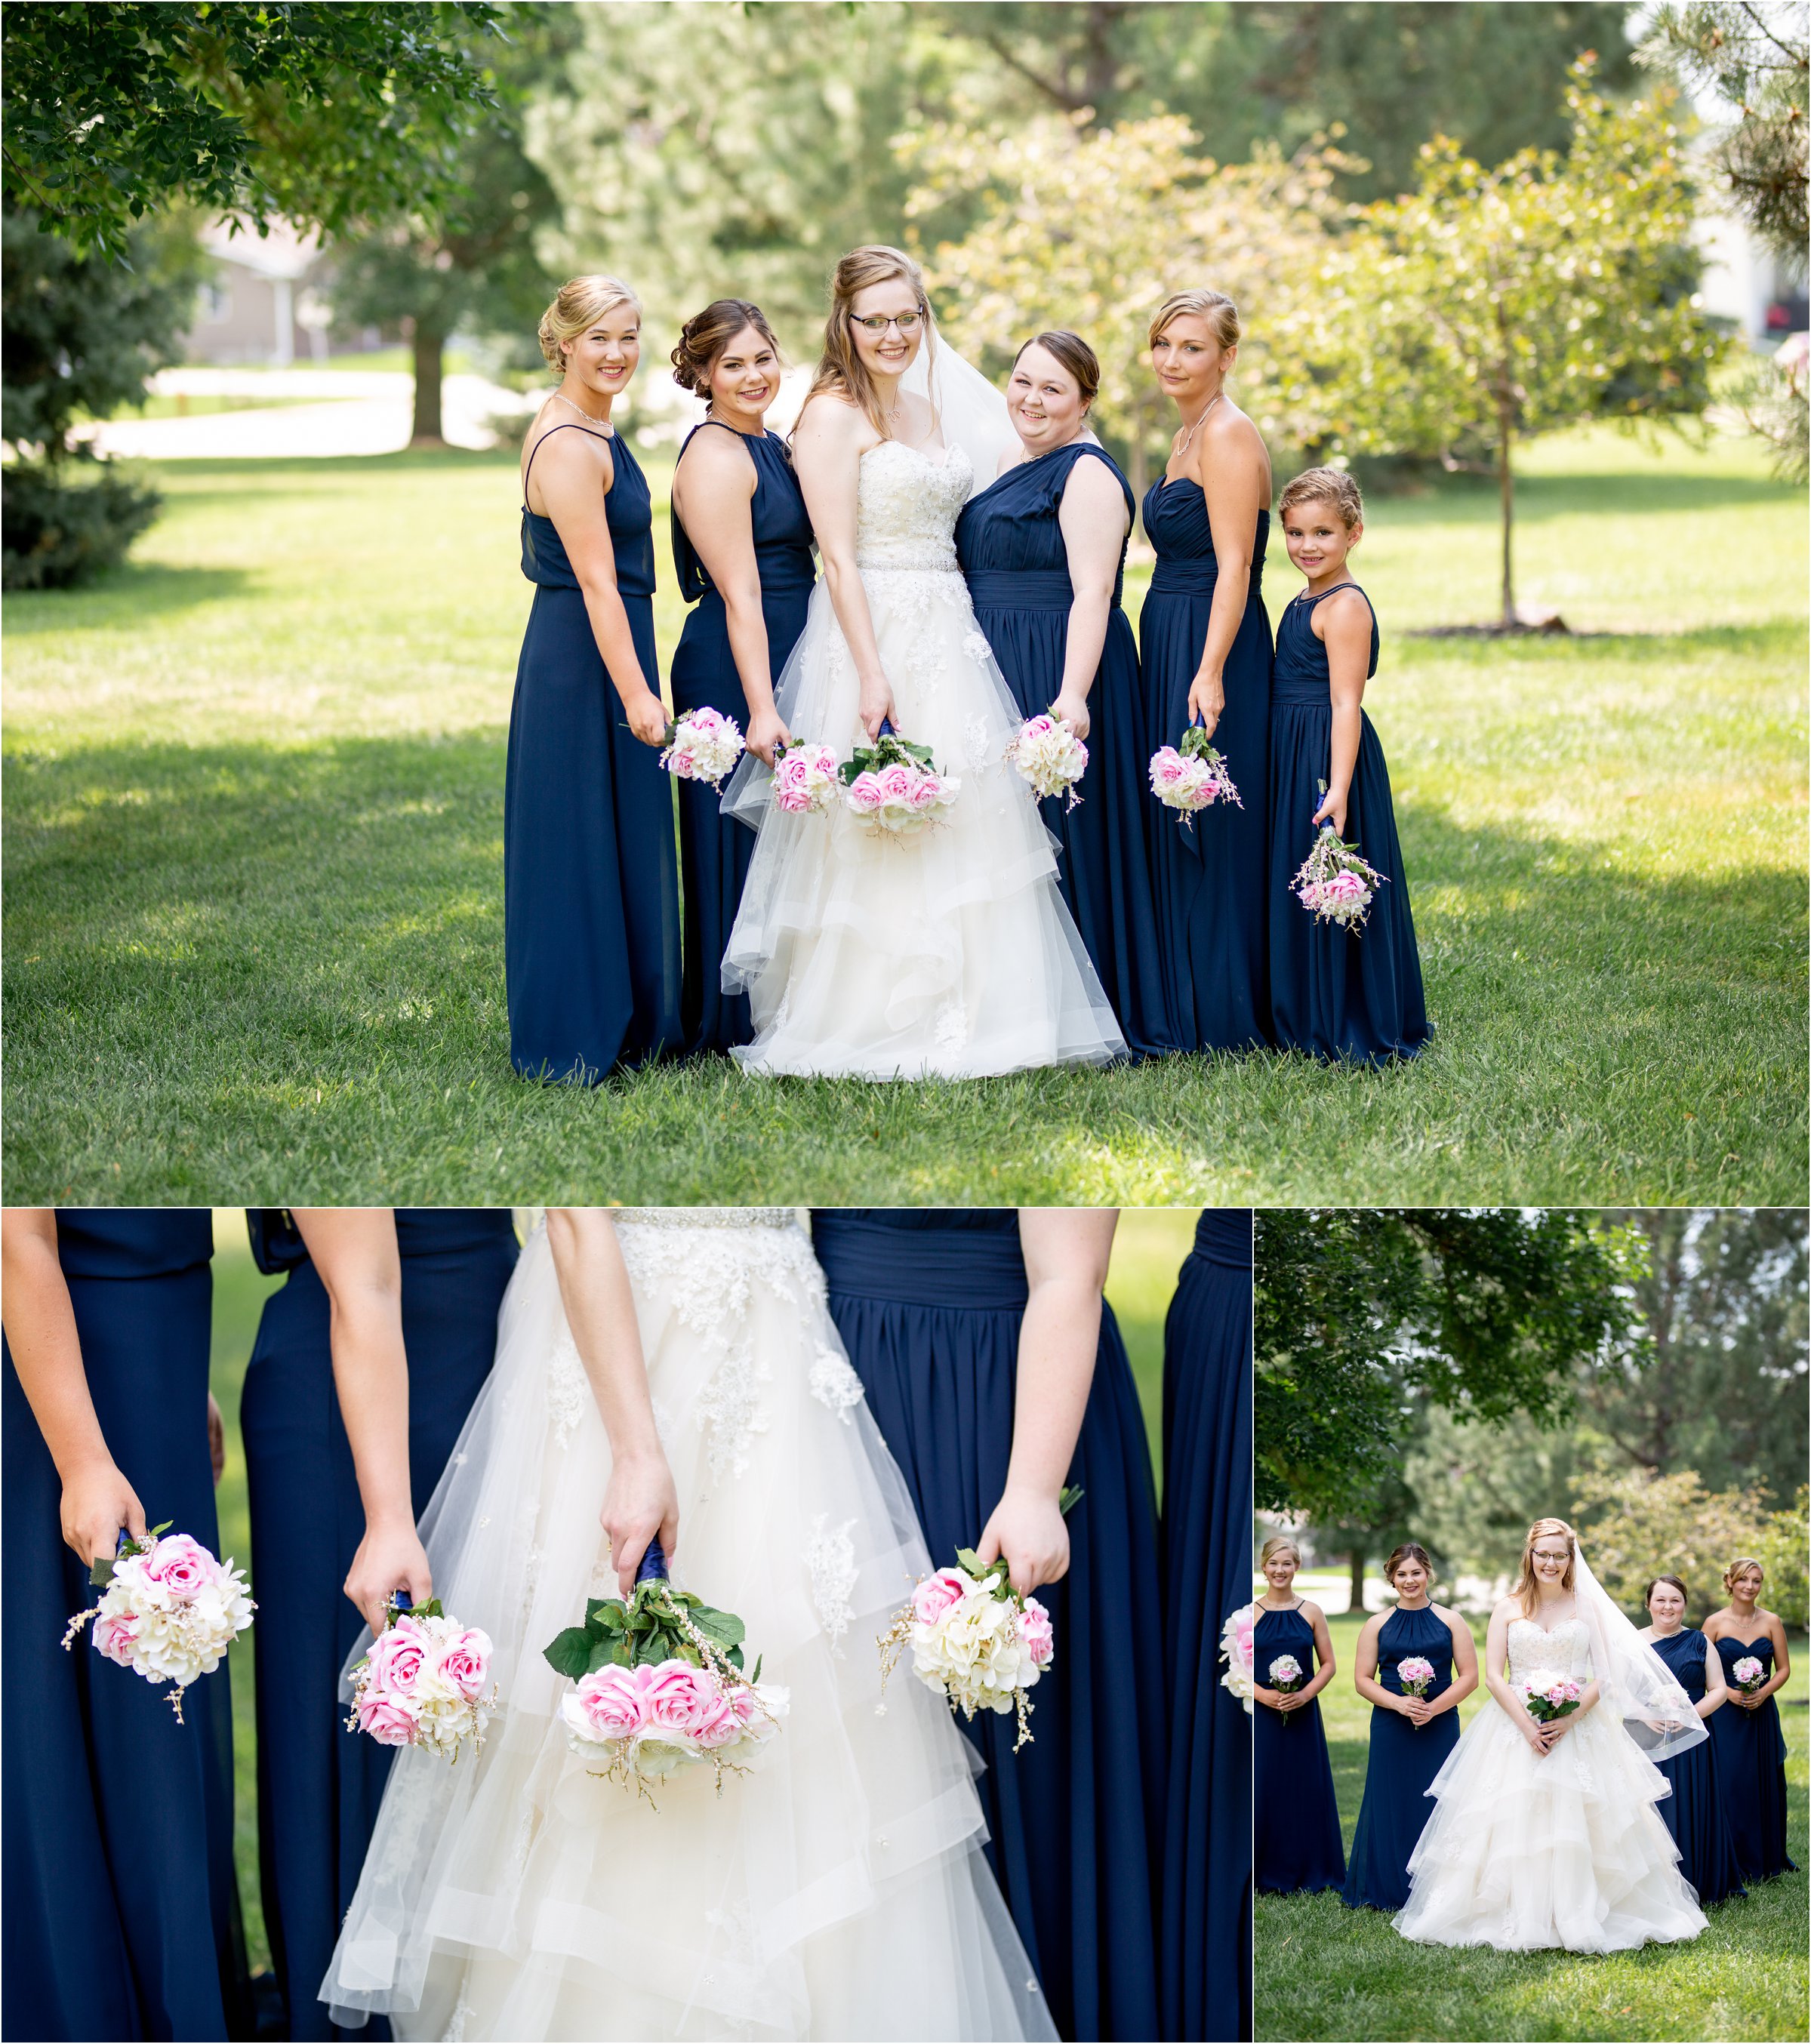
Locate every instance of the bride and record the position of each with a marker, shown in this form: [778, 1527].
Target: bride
[837, 1891]
[949, 954]
[1546, 1834]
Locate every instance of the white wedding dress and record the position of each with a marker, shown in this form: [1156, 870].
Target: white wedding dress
[837, 1891]
[948, 953]
[1525, 1851]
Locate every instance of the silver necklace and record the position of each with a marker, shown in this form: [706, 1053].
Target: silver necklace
[595, 421]
[1196, 428]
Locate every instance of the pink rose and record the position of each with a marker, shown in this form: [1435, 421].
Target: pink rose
[865, 794]
[1034, 1630]
[718, 1722]
[683, 762]
[399, 1657]
[465, 1663]
[613, 1700]
[113, 1636]
[706, 720]
[1168, 768]
[896, 783]
[928, 792]
[678, 1697]
[390, 1720]
[936, 1595]
[791, 773]
[183, 1566]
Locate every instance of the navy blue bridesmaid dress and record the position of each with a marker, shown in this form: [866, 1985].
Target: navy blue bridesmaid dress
[120, 1914]
[1696, 1813]
[1295, 1820]
[591, 877]
[1205, 1939]
[1012, 554]
[1335, 993]
[1075, 1821]
[1208, 878]
[714, 851]
[1750, 1769]
[1404, 1759]
[319, 1784]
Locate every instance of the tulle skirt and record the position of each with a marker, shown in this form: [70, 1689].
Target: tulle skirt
[948, 953]
[837, 1891]
[1525, 1852]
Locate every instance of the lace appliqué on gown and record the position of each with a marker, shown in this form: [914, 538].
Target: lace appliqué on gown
[834, 1383]
[831, 1557]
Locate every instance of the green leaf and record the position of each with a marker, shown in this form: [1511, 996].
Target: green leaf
[606, 1613]
[569, 1652]
[756, 1676]
[967, 1558]
[1070, 1496]
[734, 1657]
[606, 1653]
[723, 1628]
[157, 1532]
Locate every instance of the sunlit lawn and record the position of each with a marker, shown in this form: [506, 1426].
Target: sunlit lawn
[254, 903]
[1326, 1971]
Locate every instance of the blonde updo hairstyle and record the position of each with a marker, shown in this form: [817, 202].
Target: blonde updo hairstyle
[1742, 1563]
[581, 302]
[1279, 1543]
[1215, 307]
[840, 370]
[706, 336]
[1527, 1594]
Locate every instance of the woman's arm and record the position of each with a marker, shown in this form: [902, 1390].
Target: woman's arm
[641, 1503]
[1345, 631]
[574, 482]
[1231, 471]
[1092, 521]
[1495, 1655]
[40, 1322]
[1295, 1700]
[1464, 1666]
[716, 476]
[354, 1252]
[1364, 1671]
[828, 445]
[1781, 1664]
[1066, 1251]
[1715, 1690]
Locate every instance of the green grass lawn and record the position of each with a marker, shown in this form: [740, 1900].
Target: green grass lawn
[254, 905]
[1326, 1971]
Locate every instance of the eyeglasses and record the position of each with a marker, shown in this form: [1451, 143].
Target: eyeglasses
[906, 323]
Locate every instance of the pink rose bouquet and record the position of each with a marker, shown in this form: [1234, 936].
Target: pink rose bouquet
[893, 788]
[1749, 1674]
[423, 1683]
[169, 1611]
[1286, 1674]
[804, 778]
[1334, 884]
[703, 745]
[1549, 1697]
[658, 1685]
[1416, 1676]
[1191, 776]
[1049, 755]
[1235, 1645]
[974, 1638]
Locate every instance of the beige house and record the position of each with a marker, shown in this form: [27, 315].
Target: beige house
[262, 303]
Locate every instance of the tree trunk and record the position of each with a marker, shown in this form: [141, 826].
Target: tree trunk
[427, 346]
[1357, 1594]
[1506, 486]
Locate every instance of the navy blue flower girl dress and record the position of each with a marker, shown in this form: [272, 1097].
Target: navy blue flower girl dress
[1696, 1813]
[319, 1785]
[1404, 1759]
[714, 851]
[1076, 1820]
[1334, 992]
[1295, 1819]
[1751, 1768]
[120, 1912]
[1012, 554]
[591, 877]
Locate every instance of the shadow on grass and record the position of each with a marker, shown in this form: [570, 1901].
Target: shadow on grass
[126, 595]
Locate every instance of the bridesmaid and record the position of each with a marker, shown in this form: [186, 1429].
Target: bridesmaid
[1335, 993]
[1410, 1736]
[742, 549]
[1694, 1812]
[121, 1916]
[396, 1314]
[1205, 638]
[1013, 1383]
[591, 879]
[1044, 551]
[1751, 1748]
[1295, 1820]
[1205, 1934]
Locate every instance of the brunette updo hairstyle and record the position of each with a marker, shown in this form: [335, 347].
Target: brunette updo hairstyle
[581, 302]
[1076, 356]
[1654, 1584]
[1215, 307]
[1324, 485]
[705, 335]
[840, 368]
[1410, 1551]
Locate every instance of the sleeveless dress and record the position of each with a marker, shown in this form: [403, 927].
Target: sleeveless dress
[1209, 879]
[1206, 1933]
[319, 1785]
[1295, 1818]
[1696, 1813]
[713, 851]
[1337, 993]
[1017, 565]
[1076, 1820]
[946, 953]
[837, 1890]
[1527, 1852]
[1751, 1768]
[1403, 1760]
[590, 877]
[120, 1912]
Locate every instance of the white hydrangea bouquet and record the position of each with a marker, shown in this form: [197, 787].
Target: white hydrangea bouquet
[169, 1609]
[1049, 755]
[974, 1638]
[703, 745]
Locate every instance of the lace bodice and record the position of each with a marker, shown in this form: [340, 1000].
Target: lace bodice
[906, 505]
[1566, 1649]
[708, 1216]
